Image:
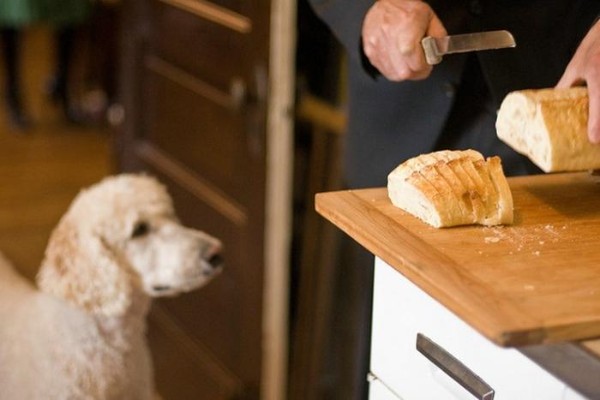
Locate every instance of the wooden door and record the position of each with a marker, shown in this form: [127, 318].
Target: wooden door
[206, 92]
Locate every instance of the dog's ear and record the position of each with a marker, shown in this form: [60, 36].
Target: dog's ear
[80, 268]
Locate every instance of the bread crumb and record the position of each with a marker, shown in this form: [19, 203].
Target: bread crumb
[528, 239]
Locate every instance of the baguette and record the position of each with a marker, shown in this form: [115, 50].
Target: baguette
[449, 188]
[550, 127]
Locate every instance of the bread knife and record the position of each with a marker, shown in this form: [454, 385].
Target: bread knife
[436, 48]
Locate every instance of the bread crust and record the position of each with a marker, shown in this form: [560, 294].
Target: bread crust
[550, 127]
[450, 188]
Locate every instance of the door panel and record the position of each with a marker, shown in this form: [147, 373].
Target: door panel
[184, 369]
[199, 46]
[176, 105]
[194, 92]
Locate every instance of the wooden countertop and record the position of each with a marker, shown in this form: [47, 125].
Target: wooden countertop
[534, 282]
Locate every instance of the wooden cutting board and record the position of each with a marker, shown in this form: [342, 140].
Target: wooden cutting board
[536, 281]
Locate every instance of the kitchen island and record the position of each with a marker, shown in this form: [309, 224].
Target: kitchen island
[522, 302]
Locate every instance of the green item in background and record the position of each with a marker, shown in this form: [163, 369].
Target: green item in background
[17, 13]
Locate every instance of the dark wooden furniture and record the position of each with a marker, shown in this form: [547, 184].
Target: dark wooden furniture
[194, 96]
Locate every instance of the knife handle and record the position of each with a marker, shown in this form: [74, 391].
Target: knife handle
[432, 54]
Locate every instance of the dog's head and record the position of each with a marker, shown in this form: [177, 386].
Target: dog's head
[120, 236]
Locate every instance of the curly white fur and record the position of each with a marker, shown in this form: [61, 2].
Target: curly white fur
[82, 334]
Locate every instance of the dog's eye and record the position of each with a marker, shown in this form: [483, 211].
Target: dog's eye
[140, 229]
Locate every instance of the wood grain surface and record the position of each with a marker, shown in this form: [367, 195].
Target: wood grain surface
[536, 281]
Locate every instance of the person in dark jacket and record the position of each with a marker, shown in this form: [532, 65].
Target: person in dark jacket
[400, 107]
[394, 116]
[16, 15]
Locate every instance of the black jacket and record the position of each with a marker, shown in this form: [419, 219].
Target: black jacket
[390, 122]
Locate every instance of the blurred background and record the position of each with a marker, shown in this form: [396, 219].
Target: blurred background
[239, 108]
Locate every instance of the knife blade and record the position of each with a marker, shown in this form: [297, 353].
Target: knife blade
[436, 48]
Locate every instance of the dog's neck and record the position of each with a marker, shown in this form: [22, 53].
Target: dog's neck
[128, 329]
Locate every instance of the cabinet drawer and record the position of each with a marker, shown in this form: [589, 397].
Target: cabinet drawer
[401, 311]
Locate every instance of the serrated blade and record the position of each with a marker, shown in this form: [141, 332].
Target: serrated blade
[436, 48]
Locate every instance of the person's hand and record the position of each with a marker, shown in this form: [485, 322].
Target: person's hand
[585, 68]
[392, 33]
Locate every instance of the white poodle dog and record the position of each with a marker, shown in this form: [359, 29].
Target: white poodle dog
[82, 334]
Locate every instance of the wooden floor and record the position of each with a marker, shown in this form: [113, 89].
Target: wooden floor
[43, 169]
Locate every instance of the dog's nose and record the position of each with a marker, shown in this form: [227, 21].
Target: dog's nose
[216, 261]
[213, 255]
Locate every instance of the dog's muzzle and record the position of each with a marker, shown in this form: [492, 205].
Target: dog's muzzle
[212, 263]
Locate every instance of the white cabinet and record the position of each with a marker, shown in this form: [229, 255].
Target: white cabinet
[379, 390]
[399, 370]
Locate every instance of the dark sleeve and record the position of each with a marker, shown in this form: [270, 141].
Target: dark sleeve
[547, 36]
[345, 19]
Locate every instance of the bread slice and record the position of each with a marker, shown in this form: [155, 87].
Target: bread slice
[449, 188]
[550, 127]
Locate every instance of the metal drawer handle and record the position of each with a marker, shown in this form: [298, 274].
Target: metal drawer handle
[454, 368]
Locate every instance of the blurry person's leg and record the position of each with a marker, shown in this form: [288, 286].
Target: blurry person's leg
[59, 84]
[11, 45]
